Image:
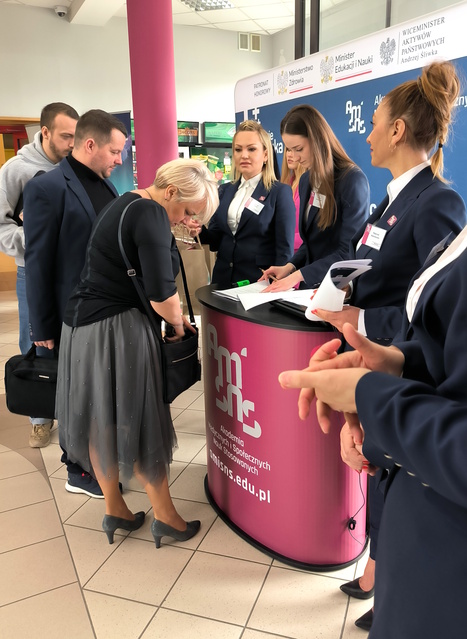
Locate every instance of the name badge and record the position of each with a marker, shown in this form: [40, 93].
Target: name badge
[317, 199]
[254, 206]
[373, 236]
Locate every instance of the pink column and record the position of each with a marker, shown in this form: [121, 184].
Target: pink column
[150, 32]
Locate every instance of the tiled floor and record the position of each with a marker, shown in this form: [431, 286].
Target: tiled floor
[60, 578]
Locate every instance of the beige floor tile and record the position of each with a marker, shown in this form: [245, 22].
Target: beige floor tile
[90, 549]
[218, 588]
[201, 457]
[51, 457]
[188, 627]
[67, 503]
[190, 421]
[9, 337]
[343, 574]
[54, 434]
[52, 615]
[299, 605]
[139, 572]
[355, 610]
[23, 490]
[198, 404]
[35, 569]
[13, 464]
[189, 446]
[255, 634]
[189, 510]
[176, 469]
[190, 484]
[29, 525]
[91, 513]
[111, 613]
[221, 540]
[186, 399]
[175, 412]
[8, 350]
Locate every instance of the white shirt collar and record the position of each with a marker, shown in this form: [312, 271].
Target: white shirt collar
[252, 182]
[396, 186]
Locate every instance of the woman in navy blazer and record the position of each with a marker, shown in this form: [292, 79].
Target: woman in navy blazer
[419, 211]
[412, 406]
[255, 223]
[334, 199]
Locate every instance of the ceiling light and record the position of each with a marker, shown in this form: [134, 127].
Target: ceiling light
[206, 5]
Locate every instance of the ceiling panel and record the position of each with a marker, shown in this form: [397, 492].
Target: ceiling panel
[249, 16]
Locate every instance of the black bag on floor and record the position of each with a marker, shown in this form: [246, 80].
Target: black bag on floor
[30, 384]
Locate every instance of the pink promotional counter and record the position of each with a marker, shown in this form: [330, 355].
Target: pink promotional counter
[278, 481]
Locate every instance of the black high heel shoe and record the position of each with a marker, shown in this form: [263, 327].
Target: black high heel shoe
[159, 530]
[111, 523]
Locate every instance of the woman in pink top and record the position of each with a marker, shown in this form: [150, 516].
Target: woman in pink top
[292, 171]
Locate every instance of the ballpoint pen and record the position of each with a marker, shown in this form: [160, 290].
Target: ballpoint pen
[271, 277]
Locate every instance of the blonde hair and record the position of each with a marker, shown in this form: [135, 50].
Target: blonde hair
[328, 155]
[291, 176]
[194, 182]
[425, 105]
[269, 176]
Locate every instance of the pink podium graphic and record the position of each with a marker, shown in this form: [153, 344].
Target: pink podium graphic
[279, 480]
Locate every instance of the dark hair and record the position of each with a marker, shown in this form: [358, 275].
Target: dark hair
[425, 106]
[98, 125]
[328, 155]
[50, 112]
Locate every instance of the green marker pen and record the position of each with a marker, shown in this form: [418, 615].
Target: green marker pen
[242, 283]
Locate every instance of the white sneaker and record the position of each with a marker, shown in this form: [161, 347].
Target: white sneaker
[40, 435]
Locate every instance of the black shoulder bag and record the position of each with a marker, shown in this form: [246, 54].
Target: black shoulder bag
[181, 367]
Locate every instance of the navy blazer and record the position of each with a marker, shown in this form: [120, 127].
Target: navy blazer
[261, 239]
[421, 428]
[320, 249]
[423, 213]
[58, 217]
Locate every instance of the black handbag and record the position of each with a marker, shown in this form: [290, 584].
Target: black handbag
[181, 367]
[31, 384]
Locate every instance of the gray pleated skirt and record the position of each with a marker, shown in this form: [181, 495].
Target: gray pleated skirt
[109, 396]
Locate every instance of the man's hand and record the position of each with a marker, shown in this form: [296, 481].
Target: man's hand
[47, 343]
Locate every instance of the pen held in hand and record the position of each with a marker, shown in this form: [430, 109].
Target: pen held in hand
[271, 277]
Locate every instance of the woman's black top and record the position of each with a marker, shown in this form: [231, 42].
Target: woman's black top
[105, 289]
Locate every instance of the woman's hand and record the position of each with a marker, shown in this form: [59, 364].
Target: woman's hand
[334, 390]
[179, 330]
[348, 315]
[277, 271]
[285, 283]
[351, 451]
[192, 225]
[367, 356]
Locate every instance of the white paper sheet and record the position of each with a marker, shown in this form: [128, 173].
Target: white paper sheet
[330, 296]
[249, 289]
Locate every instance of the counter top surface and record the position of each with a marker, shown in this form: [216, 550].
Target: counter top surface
[265, 314]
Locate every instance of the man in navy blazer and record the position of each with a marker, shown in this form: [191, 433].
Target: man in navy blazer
[59, 209]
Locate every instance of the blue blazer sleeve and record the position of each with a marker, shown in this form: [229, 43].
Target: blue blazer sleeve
[323, 248]
[426, 211]
[422, 425]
